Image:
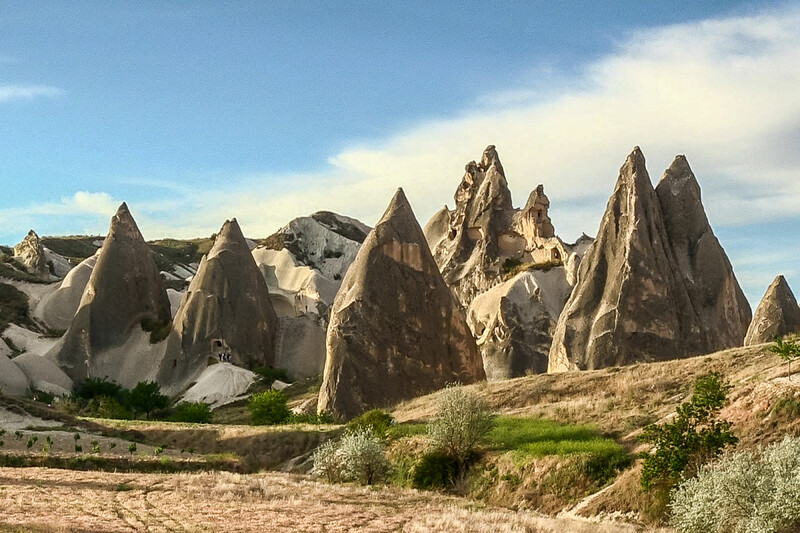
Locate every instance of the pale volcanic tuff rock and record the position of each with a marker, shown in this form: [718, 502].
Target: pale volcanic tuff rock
[58, 308]
[776, 316]
[304, 264]
[478, 242]
[707, 273]
[31, 254]
[630, 303]
[123, 293]
[396, 331]
[227, 301]
[514, 322]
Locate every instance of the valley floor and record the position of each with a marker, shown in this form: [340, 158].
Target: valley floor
[48, 500]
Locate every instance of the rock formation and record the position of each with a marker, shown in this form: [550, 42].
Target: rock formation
[227, 306]
[30, 253]
[514, 322]
[630, 303]
[395, 331]
[707, 273]
[58, 308]
[43, 374]
[776, 316]
[481, 245]
[304, 264]
[124, 295]
[12, 380]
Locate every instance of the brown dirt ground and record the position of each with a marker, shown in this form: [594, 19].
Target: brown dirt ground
[40, 499]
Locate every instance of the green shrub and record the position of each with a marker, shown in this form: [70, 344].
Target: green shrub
[745, 492]
[377, 420]
[435, 470]
[158, 329]
[315, 418]
[107, 407]
[268, 407]
[269, 374]
[93, 387]
[146, 397]
[194, 412]
[692, 438]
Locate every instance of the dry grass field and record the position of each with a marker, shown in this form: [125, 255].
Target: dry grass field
[49, 500]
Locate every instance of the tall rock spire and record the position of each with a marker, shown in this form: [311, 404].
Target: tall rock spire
[395, 331]
[124, 294]
[630, 303]
[227, 303]
[707, 273]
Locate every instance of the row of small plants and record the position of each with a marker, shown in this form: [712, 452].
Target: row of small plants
[94, 445]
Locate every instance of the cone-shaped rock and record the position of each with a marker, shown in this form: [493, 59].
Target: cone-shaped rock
[124, 294]
[30, 253]
[707, 273]
[629, 304]
[396, 330]
[227, 303]
[777, 315]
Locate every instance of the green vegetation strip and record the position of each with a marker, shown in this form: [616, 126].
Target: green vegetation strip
[537, 437]
[124, 464]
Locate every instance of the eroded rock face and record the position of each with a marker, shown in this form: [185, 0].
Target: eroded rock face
[481, 244]
[228, 303]
[124, 293]
[630, 303]
[396, 331]
[31, 254]
[514, 322]
[715, 293]
[58, 308]
[304, 264]
[776, 316]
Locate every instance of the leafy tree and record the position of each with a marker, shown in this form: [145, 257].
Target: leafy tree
[146, 397]
[268, 407]
[692, 438]
[788, 350]
[95, 387]
[462, 421]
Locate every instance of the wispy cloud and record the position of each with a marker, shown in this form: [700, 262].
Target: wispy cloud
[27, 92]
[723, 92]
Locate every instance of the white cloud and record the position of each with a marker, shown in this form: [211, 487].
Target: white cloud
[27, 92]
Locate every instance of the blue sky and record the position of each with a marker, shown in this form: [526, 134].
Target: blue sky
[194, 112]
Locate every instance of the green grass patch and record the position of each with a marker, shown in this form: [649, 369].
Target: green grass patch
[538, 437]
[407, 429]
[76, 248]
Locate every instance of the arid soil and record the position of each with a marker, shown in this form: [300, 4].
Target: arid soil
[40, 499]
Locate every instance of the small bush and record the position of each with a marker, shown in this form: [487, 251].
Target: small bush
[269, 374]
[193, 412]
[377, 420]
[268, 407]
[744, 492]
[325, 417]
[94, 387]
[358, 456]
[463, 420]
[435, 470]
[158, 329]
